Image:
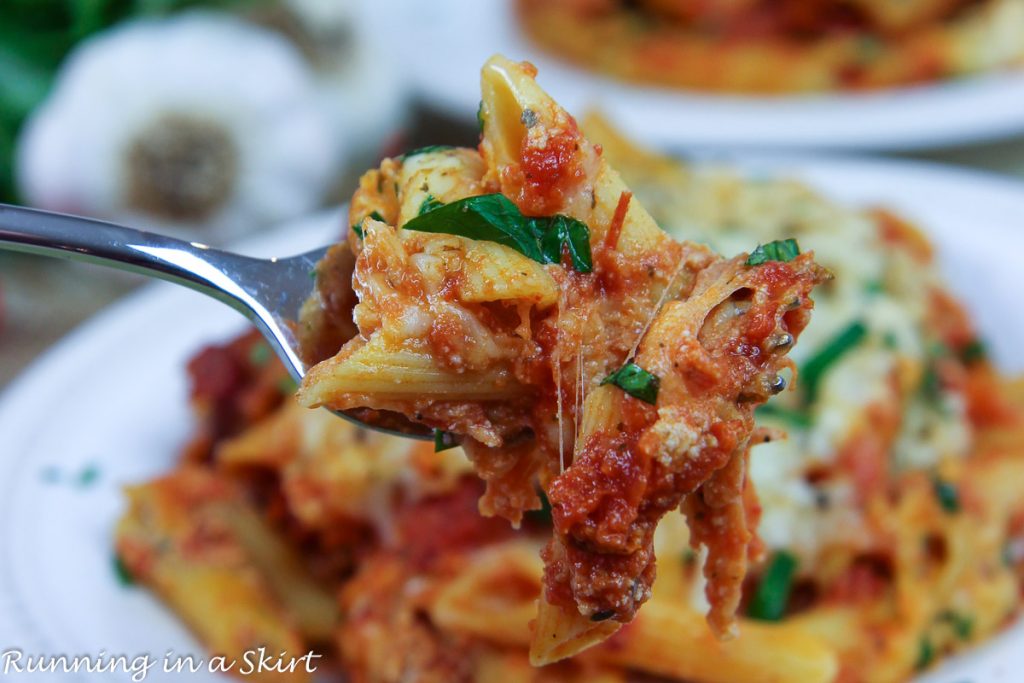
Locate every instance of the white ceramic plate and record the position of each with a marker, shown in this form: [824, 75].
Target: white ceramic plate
[107, 407]
[447, 41]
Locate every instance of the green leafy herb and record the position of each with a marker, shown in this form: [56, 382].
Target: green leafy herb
[88, 476]
[495, 218]
[875, 287]
[791, 416]
[429, 204]
[1007, 554]
[480, 116]
[779, 250]
[287, 386]
[558, 232]
[313, 274]
[444, 440]
[814, 369]
[947, 495]
[357, 228]
[974, 352]
[772, 594]
[260, 354]
[962, 625]
[542, 516]
[689, 556]
[931, 385]
[636, 382]
[424, 150]
[925, 654]
[124, 577]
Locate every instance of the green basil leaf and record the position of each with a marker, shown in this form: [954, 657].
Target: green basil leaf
[925, 654]
[124, 577]
[563, 231]
[495, 218]
[779, 250]
[260, 354]
[429, 204]
[357, 228]
[772, 594]
[947, 495]
[424, 150]
[491, 217]
[814, 369]
[636, 382]
[974, 352]
[541, 517]
[962, 625]
[792, 417]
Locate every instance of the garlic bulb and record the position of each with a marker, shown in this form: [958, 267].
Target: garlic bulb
[202, 125]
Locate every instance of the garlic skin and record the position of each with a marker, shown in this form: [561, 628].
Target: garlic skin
[358, 75]
[200, 125]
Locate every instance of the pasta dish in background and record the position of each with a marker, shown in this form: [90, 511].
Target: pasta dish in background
[780, 46]
[889, 525]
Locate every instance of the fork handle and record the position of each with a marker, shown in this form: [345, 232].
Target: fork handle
[85, 239]
[249, 285]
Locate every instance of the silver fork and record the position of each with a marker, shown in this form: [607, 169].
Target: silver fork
[269, 292]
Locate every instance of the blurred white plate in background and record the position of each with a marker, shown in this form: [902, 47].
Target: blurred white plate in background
[107, 407]
[442, 44]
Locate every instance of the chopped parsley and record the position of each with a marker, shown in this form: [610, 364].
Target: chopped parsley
[779, 250]
[772, 594]
[444, 440]
[947, 495]
[480, 116]
[495, 218]
[636, 382]
[429, 204]
[814, 369]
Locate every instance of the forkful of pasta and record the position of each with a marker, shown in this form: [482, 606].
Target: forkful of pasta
[515, 299]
